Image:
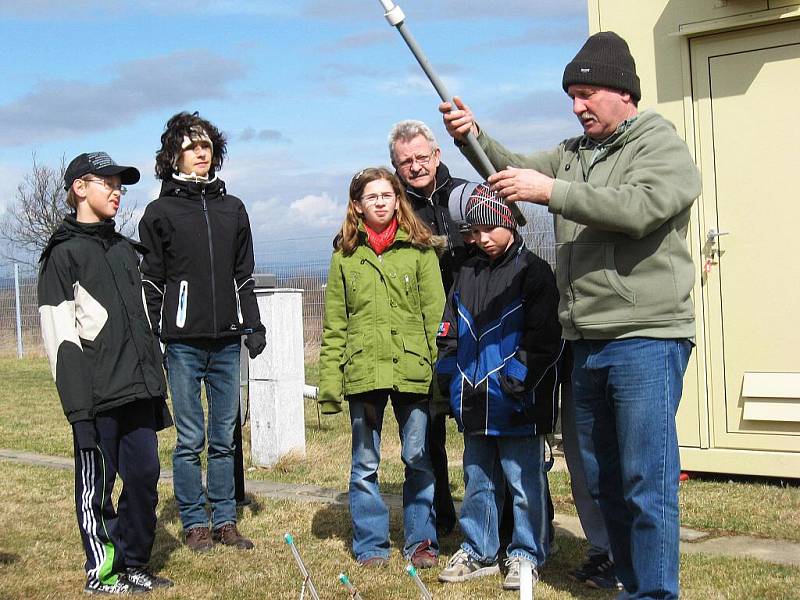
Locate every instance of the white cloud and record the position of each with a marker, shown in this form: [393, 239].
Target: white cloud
[58, 109]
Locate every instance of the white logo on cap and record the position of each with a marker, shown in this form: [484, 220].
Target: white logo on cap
[100, 160]
[585, 70]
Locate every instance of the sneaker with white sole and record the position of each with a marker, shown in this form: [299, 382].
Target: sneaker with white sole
[123, 586]
[511, 582]
[144, 577]
[462, 567]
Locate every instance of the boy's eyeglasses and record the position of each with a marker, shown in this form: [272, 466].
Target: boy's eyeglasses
[420, 160]
[111, 188]
[373, 198]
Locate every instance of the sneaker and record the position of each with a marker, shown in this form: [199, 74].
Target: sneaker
[376, 562]
[123, 586]
[144, 577]
[597, 572]
[511, 582]
[228, 535]
[462, 567]
[199, 539]
[425, 556]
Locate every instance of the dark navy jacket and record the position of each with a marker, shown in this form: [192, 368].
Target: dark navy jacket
[500, 345]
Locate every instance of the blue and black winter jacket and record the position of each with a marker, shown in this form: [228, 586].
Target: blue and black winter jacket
[500, 345]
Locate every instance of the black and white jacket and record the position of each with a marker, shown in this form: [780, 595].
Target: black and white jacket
[198, 273]
[102, 351]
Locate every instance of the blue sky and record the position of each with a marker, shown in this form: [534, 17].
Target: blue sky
[306, 90]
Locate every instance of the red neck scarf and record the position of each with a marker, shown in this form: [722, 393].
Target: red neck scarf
[379, 242]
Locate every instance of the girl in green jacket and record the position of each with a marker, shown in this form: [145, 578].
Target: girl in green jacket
[383, 304]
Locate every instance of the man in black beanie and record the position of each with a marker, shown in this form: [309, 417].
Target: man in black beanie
[621, 194]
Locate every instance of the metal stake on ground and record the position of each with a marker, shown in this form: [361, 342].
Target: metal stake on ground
[350, 587]
[412, 572]
[396, 18]
[307, 583]
[525, 580]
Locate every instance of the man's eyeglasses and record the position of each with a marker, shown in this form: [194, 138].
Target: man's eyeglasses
[373, 198]
[111, 188]
[422, 160]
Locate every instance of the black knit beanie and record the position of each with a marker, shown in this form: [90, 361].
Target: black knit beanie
[604, 60]
[484, 207]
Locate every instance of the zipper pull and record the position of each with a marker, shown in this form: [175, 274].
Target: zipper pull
[408, 284]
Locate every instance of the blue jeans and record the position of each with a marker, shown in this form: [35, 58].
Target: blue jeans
[188, 364]
[626, 395]
[368, 511]
[490, 464]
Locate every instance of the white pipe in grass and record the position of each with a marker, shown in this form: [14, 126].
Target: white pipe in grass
[525, 579]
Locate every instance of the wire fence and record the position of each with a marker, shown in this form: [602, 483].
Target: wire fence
[300, 263]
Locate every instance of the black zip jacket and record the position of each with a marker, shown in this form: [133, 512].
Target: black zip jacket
[102, 351]
[198, 273]
[500, 345]
[435, 213]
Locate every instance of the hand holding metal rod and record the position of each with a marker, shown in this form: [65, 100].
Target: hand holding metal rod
[396, 18]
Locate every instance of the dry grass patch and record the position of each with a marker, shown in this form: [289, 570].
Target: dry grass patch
[41, 556]
[31, 420]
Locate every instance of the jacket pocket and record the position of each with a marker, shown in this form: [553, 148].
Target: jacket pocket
[612, 275]
[409, 282]
[353, 365]
[416, 363]
[183, 302]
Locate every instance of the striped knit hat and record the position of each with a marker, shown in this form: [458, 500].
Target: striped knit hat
[485, 207]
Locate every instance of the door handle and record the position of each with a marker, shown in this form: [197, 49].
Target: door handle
[713, 234]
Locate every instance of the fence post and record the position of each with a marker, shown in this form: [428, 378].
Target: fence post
[20, 350]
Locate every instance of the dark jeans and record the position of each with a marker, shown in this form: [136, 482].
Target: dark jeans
[126, 445]
[215, 362]
[442, 498]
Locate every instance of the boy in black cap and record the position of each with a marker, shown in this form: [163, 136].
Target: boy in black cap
[499, 346]
[107, 368]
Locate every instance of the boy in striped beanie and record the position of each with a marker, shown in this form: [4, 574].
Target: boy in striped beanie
[499, 349]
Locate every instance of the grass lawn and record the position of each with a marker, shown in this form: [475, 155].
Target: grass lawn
[40, 554]
[41, 557]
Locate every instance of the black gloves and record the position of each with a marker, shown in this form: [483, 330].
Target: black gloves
[255, 342]
[512, 386]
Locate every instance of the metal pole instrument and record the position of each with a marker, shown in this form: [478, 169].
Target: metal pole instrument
[396, 18]
[350, 587]
[307, 583]
[412, 572]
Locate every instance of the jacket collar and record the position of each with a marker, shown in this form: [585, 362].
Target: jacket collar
[189, 189]
[516, 247]
[103, 232]
[442, 179]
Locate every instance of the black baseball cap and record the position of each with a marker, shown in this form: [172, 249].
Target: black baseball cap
[98, 163]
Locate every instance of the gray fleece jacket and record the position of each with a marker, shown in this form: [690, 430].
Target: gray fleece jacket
[621, 216]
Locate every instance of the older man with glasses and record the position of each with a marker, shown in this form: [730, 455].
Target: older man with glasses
[417, 159]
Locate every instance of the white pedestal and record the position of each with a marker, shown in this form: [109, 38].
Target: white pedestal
[277, 376]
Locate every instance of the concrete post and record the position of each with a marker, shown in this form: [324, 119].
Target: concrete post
[277, 377]
[18, 305]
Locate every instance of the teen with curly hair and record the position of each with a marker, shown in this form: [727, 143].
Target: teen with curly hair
[383, 304]
[199, 288]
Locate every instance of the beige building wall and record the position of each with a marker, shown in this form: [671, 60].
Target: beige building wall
[721, 70]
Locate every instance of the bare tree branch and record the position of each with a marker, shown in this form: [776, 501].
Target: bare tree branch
[39, 206]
